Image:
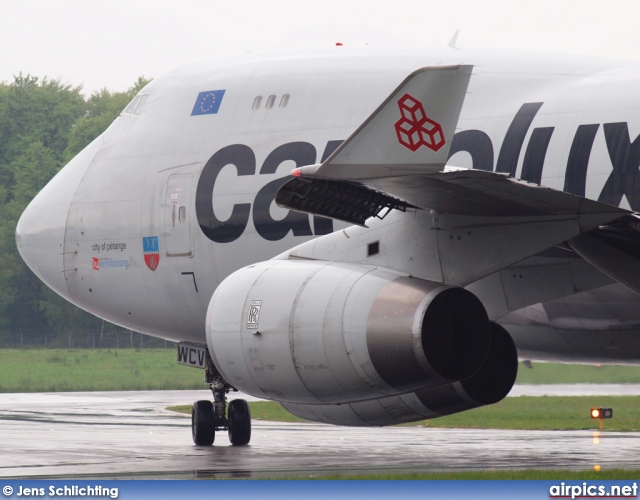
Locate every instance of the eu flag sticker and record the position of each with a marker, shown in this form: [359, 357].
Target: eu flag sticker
[208, 102]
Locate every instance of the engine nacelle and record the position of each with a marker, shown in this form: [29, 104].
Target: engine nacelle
[324, 332]
[487, 386]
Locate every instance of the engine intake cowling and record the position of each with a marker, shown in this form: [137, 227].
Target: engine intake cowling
[323, 332]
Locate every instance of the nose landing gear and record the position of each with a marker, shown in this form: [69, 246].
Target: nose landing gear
[203, 428]
[208, 417]
[239, 422]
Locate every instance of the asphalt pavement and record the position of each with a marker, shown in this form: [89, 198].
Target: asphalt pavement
[132, 435]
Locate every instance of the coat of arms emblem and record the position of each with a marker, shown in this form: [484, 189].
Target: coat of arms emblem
[151, 251]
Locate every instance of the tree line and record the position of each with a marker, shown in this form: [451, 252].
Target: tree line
[43, 124]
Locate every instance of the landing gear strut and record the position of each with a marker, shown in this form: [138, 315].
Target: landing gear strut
[208, 417]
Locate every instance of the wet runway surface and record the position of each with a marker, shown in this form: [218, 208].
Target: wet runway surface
[576, 390]
[131, 435]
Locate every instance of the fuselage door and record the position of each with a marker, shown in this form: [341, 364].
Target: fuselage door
[177, 208]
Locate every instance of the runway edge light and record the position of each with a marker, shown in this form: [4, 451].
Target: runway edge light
[601, 412]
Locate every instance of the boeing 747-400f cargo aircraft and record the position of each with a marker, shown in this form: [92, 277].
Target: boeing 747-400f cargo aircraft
[369, 236]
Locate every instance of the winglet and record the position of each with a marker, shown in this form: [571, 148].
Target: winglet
[409, 133]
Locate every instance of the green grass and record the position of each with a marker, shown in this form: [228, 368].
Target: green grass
[521, 413]
[547, 413]
[269, 411]
[553, 373]
[56, 370]
[50, 370]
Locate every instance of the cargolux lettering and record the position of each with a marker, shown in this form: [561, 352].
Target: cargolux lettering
[244, 160]
[623, 181]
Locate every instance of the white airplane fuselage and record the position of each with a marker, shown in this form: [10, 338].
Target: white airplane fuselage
[144, 224]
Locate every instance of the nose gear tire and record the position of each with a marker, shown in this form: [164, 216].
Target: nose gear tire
[203, 427]
[239, 422]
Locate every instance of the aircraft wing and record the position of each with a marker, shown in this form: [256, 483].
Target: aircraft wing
[396, 160]
[457, 192]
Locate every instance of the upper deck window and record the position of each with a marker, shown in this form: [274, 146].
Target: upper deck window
[270, 101]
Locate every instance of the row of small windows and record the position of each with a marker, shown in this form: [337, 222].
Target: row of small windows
[271, 100]
[135, 106]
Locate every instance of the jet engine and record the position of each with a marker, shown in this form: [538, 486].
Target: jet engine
[488, 385]
[313, 332]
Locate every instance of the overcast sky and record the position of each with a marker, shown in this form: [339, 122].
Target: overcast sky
[111, 42]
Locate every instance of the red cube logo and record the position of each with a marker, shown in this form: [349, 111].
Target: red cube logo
[414, 129]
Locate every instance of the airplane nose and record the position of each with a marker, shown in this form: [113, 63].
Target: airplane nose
[41, 228]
